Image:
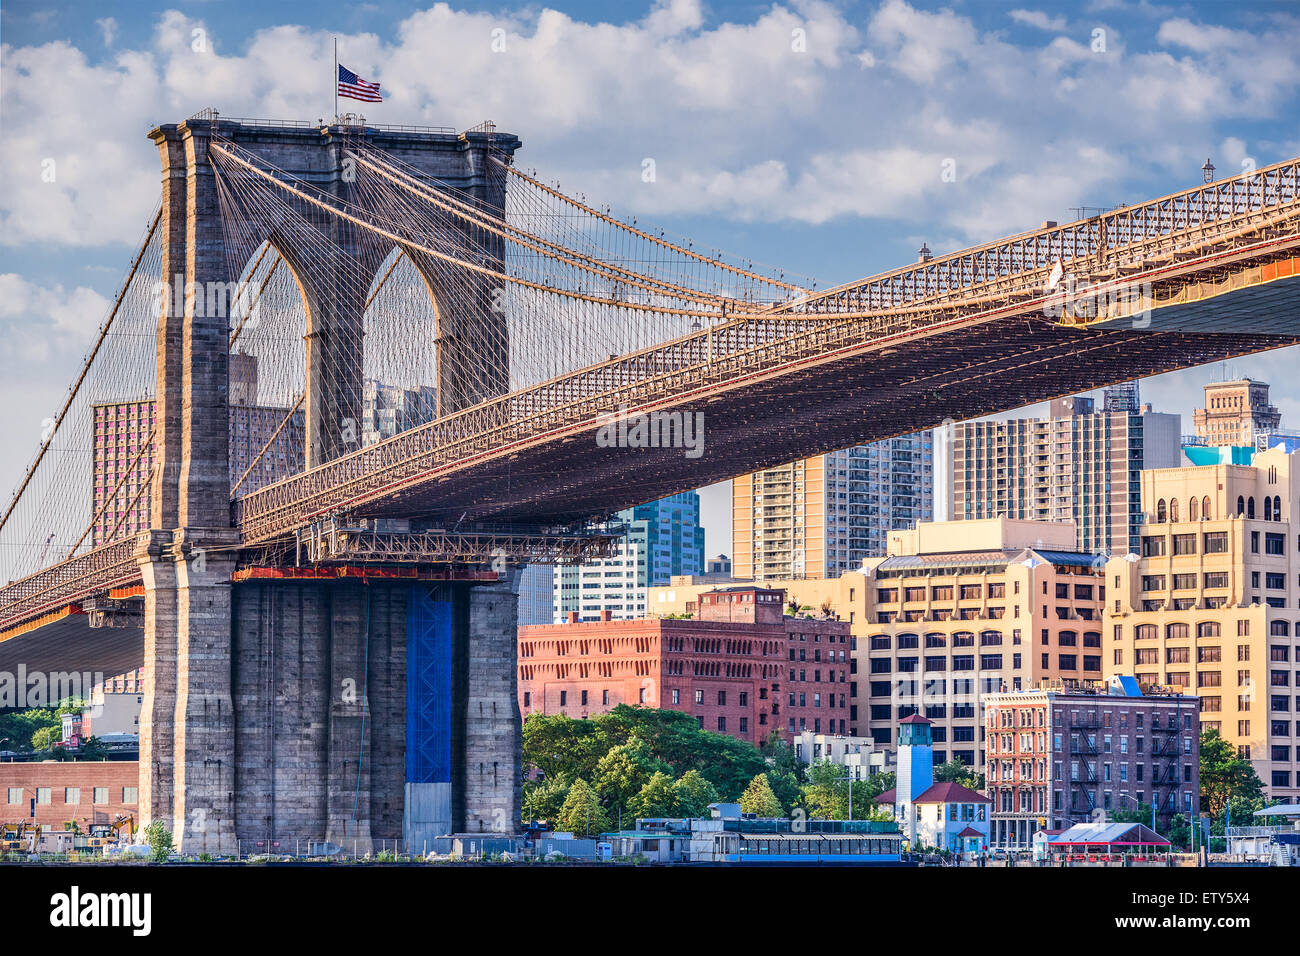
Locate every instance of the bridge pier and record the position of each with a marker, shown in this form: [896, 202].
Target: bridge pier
[203, 803]
[348, 712]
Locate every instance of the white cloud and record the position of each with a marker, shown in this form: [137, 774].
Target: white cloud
[739, 121]
[108, 28]
[1038, 19]
[38, 322]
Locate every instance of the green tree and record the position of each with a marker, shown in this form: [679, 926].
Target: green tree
[780, 756]
[624, 770]
[543, 799]
[45, 738]
[826, 794]
[759, 799]
[18, 727]
[658, 798]
[159, 839]
[785, 786]
[1180, 831]
[693, 794]
[582, 814]
[558, 745]
[92, 748]
[956, 771]
[1225, 774]
[878, 783]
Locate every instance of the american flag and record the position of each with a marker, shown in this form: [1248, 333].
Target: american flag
[354, 87]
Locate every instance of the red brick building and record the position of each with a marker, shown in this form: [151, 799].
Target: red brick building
[740, 666]
[95, 791]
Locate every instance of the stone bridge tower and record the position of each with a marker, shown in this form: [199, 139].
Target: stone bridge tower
[280, 709]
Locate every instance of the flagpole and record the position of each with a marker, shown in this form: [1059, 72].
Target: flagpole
[336, 79]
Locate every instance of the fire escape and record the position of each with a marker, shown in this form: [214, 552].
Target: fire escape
[1164, 765]
[1083, 753]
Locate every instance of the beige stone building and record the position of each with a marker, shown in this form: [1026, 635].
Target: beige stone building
[1236, 413]
[1211, 604]
[954, 611]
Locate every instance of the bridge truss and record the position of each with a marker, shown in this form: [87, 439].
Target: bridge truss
[516, 332]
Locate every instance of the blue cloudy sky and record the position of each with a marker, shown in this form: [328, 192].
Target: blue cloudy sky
[823, 157]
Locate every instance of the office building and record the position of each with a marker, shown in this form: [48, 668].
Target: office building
[857, 757]
[1078, 464]
[955, 610]
[663, 538]
[1236, 413]
[819, 517]
[740, 667]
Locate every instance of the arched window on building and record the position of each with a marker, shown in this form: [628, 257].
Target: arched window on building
[1162, 512]
[1173, 509]
[1193, 510]
[1206, 510]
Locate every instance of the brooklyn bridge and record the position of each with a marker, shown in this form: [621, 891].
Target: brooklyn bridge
[324, 603]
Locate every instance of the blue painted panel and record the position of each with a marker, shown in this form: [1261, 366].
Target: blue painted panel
[428, 689]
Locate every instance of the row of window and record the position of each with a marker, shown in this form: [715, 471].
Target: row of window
[71, 795]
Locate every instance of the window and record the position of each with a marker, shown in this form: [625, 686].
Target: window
[1185, 543]
[1216, 542]
[71, 794]
[1274, 543]
[130, 795]
[699, 697]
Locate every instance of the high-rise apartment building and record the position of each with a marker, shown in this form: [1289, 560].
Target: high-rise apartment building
[819, 517]
[537, 594]
[663, 538]
[120, 495]
[1236, 413]
[387, 410]
[1211, 604]
[1078, 464]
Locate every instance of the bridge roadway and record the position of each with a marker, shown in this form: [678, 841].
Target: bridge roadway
[799, 395]
[770, 389]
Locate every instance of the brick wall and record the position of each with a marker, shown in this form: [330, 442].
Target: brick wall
[113, 775]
